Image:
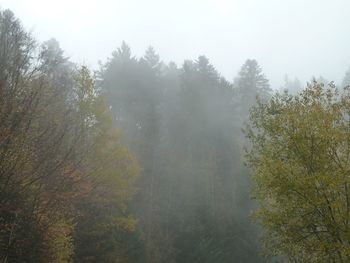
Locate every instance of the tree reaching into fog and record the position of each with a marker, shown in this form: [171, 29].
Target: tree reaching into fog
[250, 84]
[300, 156]
[151, 58]
[134, 90]
[17, 50]
[346, 79]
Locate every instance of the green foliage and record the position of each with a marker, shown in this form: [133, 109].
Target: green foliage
[103, 213]
[300, 156]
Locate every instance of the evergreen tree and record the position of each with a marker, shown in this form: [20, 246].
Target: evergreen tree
[251, 83]
[346, 79]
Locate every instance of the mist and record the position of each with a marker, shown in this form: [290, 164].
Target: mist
[173, 132]
[297, 38]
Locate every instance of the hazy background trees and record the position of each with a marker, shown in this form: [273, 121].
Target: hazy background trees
[183, 124]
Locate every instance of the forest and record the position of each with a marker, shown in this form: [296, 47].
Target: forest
[142, 161]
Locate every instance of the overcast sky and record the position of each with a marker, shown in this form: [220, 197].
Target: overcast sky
[301, 38]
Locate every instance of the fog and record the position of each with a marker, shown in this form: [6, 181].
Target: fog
[294, 37]
[174, 132]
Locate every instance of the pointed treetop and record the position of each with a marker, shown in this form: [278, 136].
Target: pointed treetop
[123, 52]
[205, 68]
[151, 57]
[51, 54]
[252, 78]
[346, 79]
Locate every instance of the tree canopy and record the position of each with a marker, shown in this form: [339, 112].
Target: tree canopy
[300, 154]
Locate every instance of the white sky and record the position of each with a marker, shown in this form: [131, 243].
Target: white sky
[301, 38]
